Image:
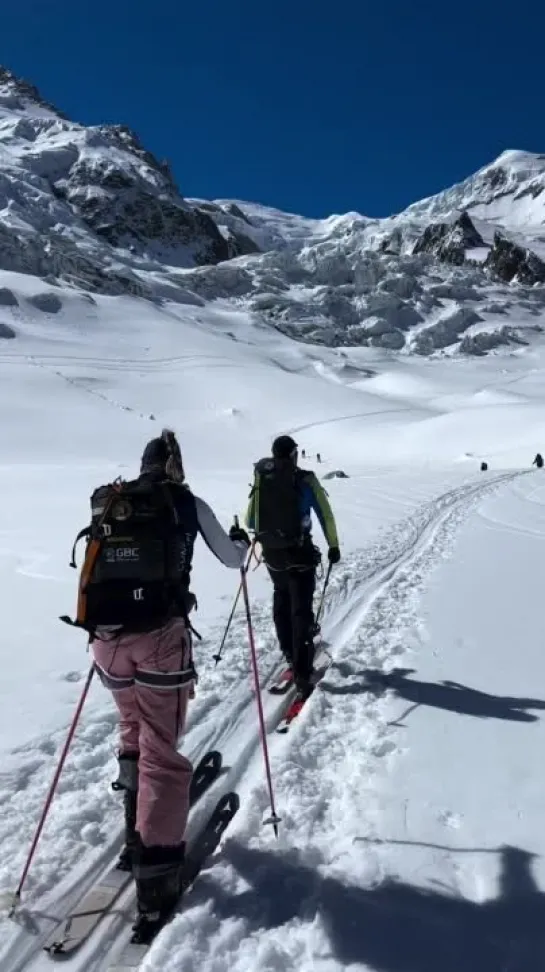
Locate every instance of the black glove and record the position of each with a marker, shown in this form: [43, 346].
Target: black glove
[333, 555]
[237, 533]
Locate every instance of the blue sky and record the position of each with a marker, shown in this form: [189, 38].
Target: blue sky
[312, 107]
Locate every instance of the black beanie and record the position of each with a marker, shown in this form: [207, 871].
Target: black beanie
[283, 447]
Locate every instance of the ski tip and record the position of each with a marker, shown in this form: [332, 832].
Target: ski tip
[230, 802]
[212, 760]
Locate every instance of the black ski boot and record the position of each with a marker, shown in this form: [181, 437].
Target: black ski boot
[128, 782]
[305, 688]
[157, 871]
[124, 862]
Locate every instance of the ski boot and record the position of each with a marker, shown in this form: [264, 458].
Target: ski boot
[128, 782]
[157, 872]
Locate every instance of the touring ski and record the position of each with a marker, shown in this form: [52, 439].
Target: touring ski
[198, 853]
[299, 701]
[76, 927]
[291, 714]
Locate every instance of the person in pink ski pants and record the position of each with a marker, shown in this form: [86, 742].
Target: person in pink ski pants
[151, 676]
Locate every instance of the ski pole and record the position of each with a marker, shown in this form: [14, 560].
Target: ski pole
[217, 657]
[274, 819]
[324, 589]
[53, 787]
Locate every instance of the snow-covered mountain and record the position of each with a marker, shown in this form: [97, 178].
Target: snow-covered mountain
[91, 208]
[410, 788]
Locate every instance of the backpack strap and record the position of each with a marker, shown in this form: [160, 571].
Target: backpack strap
[86, 532]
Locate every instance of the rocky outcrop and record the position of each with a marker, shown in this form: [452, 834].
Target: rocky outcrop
[445, 332]
[58, 259]
[507, 261]
[234, 226]
[46, 302]
[7, 298]
[485, 341]
[17, 93]
[6, 331]
[390, 340]
[131, 206]
[449, 241]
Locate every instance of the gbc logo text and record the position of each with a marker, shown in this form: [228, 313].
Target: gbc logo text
[122, 553]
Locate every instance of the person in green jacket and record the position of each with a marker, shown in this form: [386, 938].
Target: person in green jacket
[280, 510]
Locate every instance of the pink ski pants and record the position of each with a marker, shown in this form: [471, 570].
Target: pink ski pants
[152, 678]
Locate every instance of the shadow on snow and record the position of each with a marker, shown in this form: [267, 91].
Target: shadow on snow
[394, 927]
[448, 695]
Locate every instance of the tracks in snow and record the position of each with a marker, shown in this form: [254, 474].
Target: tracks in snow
[356, 589]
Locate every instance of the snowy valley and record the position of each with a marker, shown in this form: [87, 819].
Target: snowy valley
[406, 351]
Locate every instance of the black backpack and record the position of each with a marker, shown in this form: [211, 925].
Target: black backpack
[277, 494]
[132, 571]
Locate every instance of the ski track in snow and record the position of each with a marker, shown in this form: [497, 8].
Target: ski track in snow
[372, 600]
[346, 418]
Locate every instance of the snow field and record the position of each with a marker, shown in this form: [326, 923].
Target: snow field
[410, 439]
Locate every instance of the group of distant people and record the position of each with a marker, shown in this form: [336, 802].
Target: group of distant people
[538, 461]
[304, 455]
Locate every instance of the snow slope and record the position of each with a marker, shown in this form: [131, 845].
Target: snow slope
[82, 389]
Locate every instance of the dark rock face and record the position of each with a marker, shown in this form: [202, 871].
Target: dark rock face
[6, 331]
[7, 298]
[233, 223]
[21, 91]
[47, 302]
[127, 207]
[449, 241]
[507, 261]
[131, 204]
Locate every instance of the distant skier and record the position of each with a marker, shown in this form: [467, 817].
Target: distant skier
[303, 454]
[538, 461]
[484, 466]
[279, 513]
[136, 610]
[318, 457]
